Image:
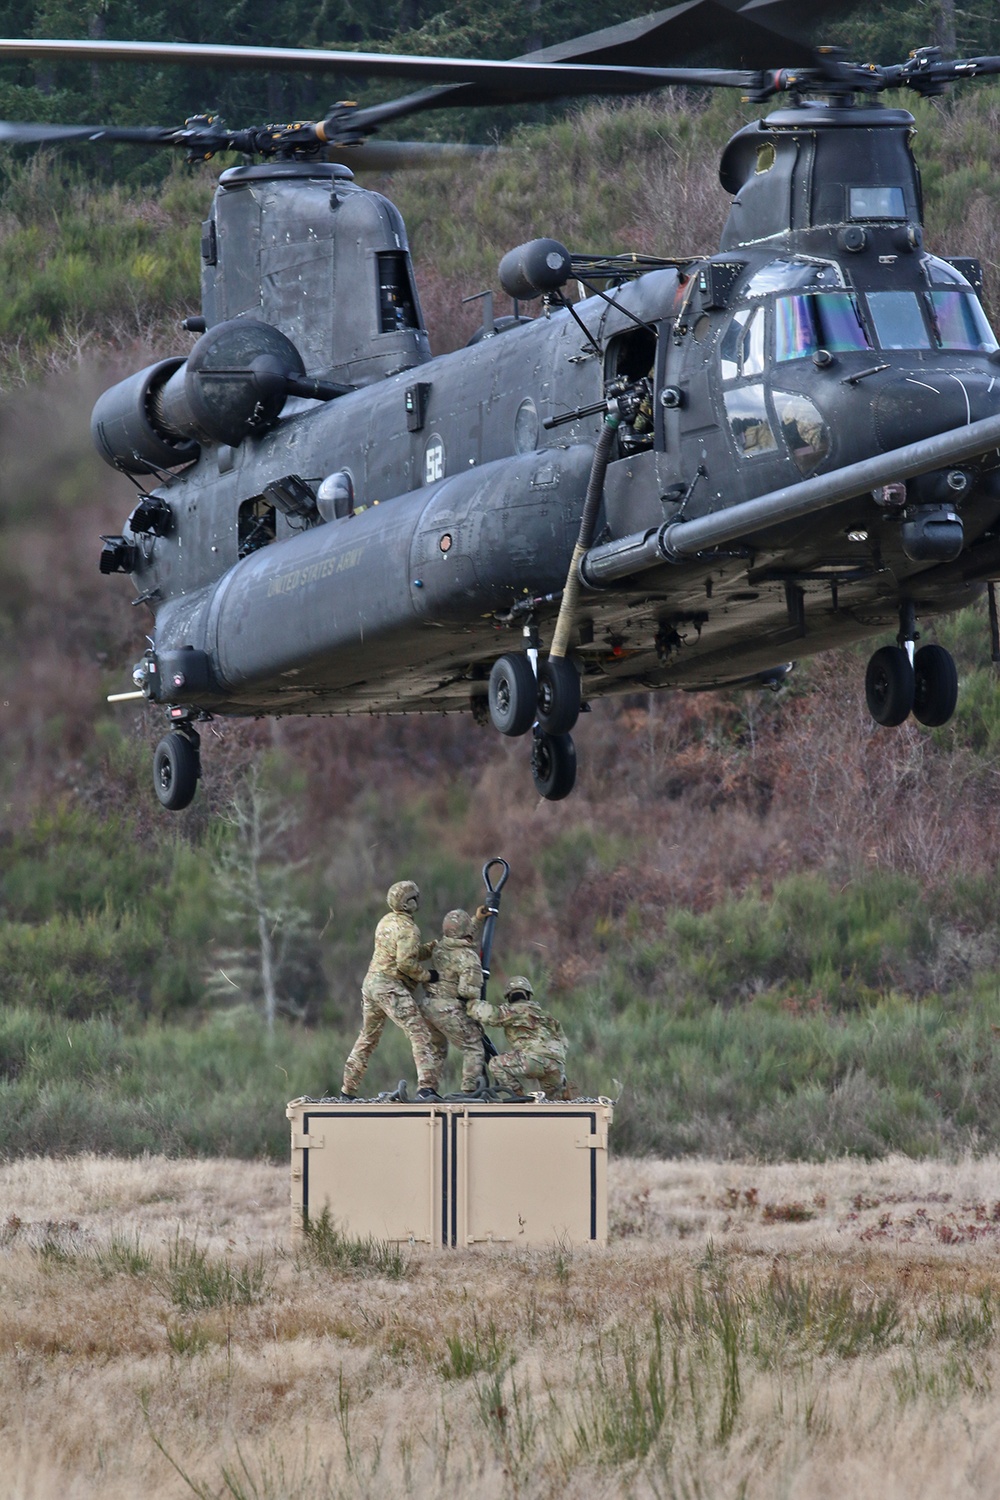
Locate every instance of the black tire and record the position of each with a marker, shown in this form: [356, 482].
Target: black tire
[890, 686]
[513, 695]
[176, 769]
[935, 685]
[558, 695]
[553, 765]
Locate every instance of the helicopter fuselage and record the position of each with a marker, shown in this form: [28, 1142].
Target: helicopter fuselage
[446, 511]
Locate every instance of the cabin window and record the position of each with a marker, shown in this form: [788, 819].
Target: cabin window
[831, 321]
[803, 429]
[396, 300]
[748, 420]
[899, 323]
[959, 322]
[877, 203]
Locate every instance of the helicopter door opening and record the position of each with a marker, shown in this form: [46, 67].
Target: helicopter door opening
[256, 526]
[629, 374]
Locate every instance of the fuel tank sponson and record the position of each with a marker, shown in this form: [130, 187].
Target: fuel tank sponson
[678, 540]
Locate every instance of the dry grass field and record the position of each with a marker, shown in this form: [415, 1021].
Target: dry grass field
[749, 1332]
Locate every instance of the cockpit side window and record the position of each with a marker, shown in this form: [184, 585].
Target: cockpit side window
[742, 352]
[749, 421]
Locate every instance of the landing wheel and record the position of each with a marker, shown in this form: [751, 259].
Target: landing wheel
[176, 769]
[890, 685]
[558, 695]
[513, 695]
[553, 765]
[936, 685]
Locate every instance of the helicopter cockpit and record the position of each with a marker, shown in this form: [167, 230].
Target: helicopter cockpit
[796, 309]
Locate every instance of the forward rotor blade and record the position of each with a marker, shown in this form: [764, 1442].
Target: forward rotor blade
[519, 80]
[668, 36]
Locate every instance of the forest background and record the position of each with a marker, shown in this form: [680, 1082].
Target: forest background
[773, 926]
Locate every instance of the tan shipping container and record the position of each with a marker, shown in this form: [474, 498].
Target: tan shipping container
[454, 1174]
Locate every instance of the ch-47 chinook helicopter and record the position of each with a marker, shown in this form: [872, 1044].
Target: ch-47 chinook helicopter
[698, 470]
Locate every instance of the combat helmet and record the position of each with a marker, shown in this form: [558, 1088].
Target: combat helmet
[404, 896]
[457, 924]
[520, 987]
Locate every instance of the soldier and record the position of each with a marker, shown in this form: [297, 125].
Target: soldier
[393, 974]
[460, 980]
[537, 1046]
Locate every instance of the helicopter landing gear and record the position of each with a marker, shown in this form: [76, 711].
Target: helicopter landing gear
[901, 680]
[935, 685]
[177, 767]
[890, 686]
[558, 695]
[553, 765]
[526, 691]
[513, 694]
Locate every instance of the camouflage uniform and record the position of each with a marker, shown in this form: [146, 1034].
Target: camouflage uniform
[460, 980]
[387, 992]
[537, 1047]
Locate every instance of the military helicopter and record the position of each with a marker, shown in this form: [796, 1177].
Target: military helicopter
[694, 472]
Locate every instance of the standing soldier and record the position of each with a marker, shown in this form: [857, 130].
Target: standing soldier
[460, 980]
[537, 1047]
[393, 974]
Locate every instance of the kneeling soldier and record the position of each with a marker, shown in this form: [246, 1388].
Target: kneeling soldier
[537, 1047]
[387, 993]
[460, 980]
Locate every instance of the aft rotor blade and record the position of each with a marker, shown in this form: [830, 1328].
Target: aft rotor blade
[521, 80]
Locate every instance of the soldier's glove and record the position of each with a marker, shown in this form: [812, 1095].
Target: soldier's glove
[432, 976]
[482, 912]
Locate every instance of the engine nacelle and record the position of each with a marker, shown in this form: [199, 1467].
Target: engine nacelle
[235, 381]
[127, 431]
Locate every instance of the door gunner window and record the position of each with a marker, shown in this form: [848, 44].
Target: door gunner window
[804, 324]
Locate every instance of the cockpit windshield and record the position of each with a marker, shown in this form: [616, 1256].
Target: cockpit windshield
[828, 320]
[942, 318]
[959, 321]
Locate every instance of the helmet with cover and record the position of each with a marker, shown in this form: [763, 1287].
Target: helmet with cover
[457, 924]
[518, 989]
[404, 896]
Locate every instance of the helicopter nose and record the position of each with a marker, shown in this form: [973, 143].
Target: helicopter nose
[925, 403]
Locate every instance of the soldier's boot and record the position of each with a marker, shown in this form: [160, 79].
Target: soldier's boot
[348, 1098]
[424, 1094]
